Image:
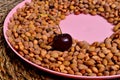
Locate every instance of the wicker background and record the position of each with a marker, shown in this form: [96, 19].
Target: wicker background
[11, 66]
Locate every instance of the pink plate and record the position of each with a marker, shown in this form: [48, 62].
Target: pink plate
[86, 27]
[78, 21]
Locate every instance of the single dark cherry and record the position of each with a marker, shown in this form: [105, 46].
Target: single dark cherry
[62, 42]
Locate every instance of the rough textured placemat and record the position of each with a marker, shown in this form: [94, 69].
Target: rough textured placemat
[11, 66]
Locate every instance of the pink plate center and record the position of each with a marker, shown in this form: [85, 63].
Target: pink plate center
[86, 27]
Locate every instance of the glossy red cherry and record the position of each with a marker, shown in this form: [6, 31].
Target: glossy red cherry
[62, 42]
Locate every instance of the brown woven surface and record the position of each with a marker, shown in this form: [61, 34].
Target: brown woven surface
[11, 66]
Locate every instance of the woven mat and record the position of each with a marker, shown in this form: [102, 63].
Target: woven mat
[11, 66]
